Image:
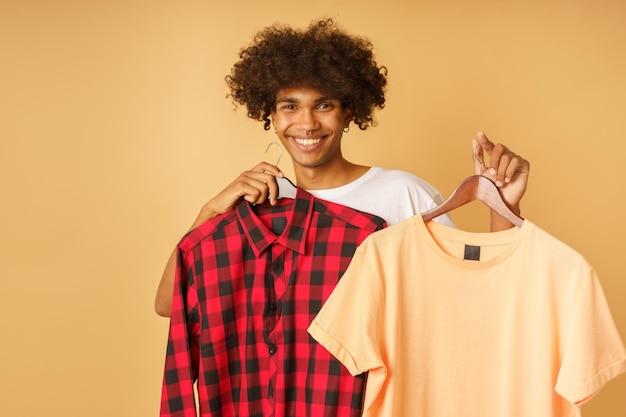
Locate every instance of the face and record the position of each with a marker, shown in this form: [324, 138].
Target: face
[310, 126]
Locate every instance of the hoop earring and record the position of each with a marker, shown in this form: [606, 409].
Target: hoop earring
[346, 129]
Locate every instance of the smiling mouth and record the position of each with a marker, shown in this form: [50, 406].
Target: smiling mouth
[307, 141]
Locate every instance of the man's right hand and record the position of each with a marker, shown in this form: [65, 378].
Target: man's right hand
[254, 186]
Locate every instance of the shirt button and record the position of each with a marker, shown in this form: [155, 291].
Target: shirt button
[273, 307]
[273, 349]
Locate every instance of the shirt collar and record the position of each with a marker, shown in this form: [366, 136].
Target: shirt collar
[295, 233]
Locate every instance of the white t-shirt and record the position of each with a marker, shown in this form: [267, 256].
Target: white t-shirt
[393, 195]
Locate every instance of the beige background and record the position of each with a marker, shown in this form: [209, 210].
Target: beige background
[115, 129]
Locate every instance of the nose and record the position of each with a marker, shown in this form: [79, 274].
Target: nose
[307, 121]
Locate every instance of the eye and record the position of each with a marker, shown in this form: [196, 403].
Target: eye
[325, 106]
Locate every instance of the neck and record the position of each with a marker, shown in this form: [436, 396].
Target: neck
[330, 177]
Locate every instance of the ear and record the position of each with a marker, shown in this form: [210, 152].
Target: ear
[347, 115]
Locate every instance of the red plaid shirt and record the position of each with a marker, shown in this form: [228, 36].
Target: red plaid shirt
[248, 284]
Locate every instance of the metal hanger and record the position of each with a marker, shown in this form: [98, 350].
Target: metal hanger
[476, 187]
[286, 188]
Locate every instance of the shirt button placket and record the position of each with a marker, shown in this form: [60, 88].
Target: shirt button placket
[277, 269]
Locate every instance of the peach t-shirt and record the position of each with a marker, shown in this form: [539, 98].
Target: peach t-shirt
[524, 331]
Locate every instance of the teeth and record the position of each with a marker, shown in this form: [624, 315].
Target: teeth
[307, 142]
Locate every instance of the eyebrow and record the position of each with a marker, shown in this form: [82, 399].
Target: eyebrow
[294, 100]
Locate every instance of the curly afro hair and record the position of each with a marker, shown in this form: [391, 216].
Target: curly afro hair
[323, 57]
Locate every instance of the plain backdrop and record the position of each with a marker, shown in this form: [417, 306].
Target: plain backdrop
[115, 129]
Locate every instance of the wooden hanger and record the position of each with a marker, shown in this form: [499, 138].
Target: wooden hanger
[476, 187]
[286, 188]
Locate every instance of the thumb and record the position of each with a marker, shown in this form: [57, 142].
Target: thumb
[477, 157]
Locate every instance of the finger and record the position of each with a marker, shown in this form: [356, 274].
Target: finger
[500, 160]
[498, 154]
[486, 148]
[254, 193]
[272, 194]
[256, 187]
[508, 165]
[267, 184]
[485, 143]
[246, 185]
[274, 171]
[516, 166]
[268, 168]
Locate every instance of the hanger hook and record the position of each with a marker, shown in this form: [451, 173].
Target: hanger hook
[280, 151]
[478, 159]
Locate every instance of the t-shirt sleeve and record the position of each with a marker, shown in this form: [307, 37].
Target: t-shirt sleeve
[348, 325]
[593, 350]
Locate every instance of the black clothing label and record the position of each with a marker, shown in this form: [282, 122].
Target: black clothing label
[472, 253]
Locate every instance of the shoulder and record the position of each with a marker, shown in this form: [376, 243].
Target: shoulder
[396, 179]
[208, 230]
